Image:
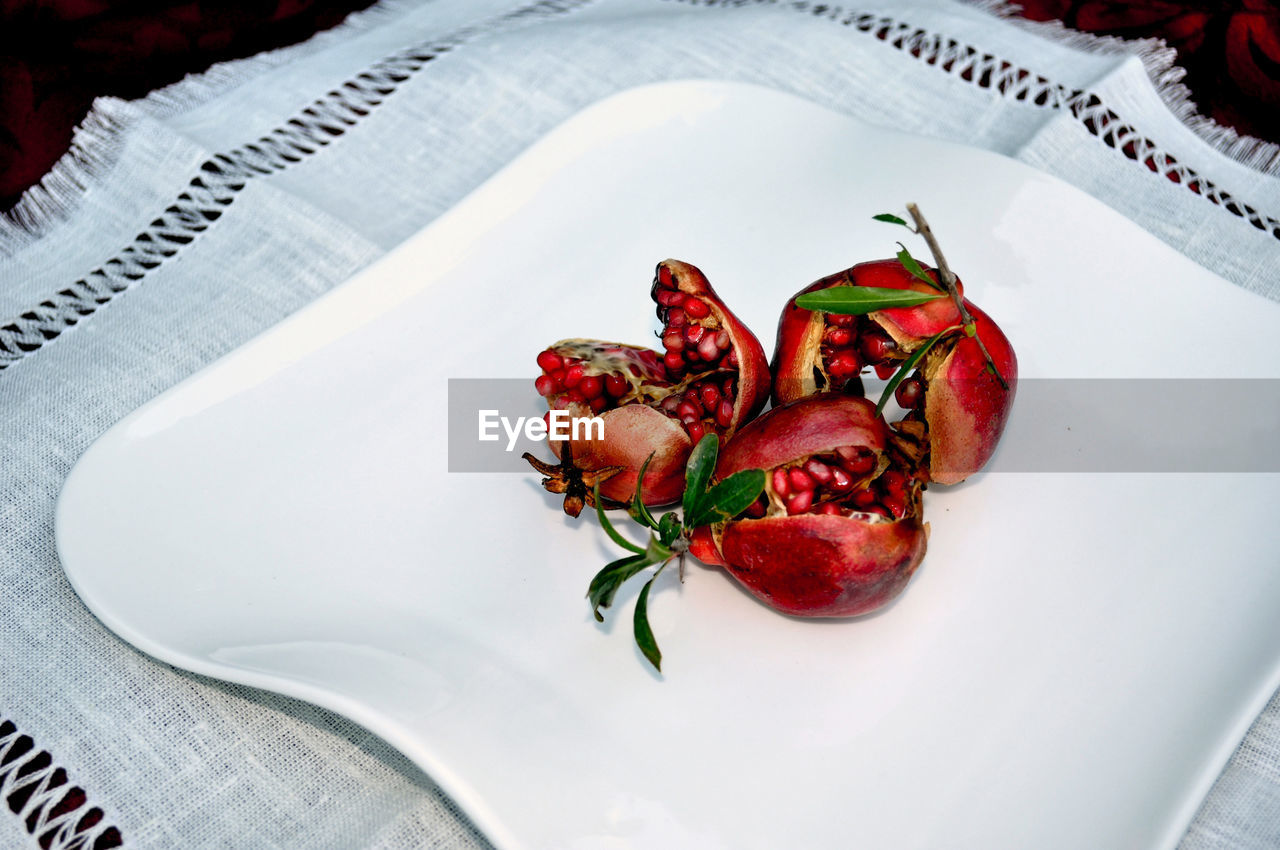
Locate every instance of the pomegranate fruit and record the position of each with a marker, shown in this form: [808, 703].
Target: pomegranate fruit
[711, 378]
[956, 406]
[838, 530]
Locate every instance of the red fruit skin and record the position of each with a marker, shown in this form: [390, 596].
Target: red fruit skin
[966, 408]
[754, 377]
[632, 433]
[822, 566]
[808, 426]
[811, 565]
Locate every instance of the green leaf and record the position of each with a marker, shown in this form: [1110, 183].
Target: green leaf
[613, 533]
[730, 497]
[909, 364]
[860, 300]
[890, 218]
[644, 634]
[702, 464]
[669, 528]
[909, 263]
[606, 583]
[637, 510]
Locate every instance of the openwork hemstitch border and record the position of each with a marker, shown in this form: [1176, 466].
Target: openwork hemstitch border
[990, 72]
[39, 793]
[224, 175]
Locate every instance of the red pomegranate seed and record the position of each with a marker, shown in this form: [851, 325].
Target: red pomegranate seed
[723, 340]
[668, 297]
[884, 371]
[840, 479]
[909, 393]
[894, 482]
[818, 470]
[724, 413]
[688, 412]
[757, 508]
[895, 504]
[575, 394]
[549, 361]
[829, 508]
[664, 275]
[673, 341]
[800, 502]
[615, 385]
[839, 336]
[864, 498]
[707, 348]
[875, 346]
[697, 308]
[731, 359]
[709, 396]
[591, 386]
[857, 461]
[676, 318]
[598, 403]
[693, 334]
[781, 485]
[843, 365]
[674, 361]
[670, 403]
[696, 431]
[545, 385]
[800, 480]
[573, 375]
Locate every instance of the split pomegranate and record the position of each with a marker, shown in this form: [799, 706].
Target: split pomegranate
[711, 378]
[956, 407]
[838, 530]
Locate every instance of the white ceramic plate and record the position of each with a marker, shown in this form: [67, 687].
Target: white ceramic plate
[1070, 668]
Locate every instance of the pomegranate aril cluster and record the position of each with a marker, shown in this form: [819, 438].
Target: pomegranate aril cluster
[851, 343]
[837, 484]
[691, 335]
[706, 406]
[565, 380]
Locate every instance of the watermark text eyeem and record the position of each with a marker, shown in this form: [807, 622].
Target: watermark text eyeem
[559, 425]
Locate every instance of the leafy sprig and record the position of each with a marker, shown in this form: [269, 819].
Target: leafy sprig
[948, 279]
[703, 504]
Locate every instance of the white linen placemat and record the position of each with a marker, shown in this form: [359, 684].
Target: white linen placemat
[183, 224]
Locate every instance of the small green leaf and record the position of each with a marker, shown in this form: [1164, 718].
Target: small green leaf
[730, 497]
[669, 528]
[606, 583]
[909, 364]
[637, 510]
[890, 218]
[644, 634]
[613, 533]
[860, 300]
[909, 263]
[702, 464]
[971, 330]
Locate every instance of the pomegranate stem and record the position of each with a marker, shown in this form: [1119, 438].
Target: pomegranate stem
[949, 281]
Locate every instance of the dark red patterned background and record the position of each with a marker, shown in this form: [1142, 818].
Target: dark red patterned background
[57, 55]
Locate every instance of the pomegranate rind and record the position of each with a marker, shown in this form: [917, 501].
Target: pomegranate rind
[813, 565]
[631, 433]
[822, 566]
[813, 425]
[753, 367]
[966, 408]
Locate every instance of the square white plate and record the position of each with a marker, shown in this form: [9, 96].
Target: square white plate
[1070, 667]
